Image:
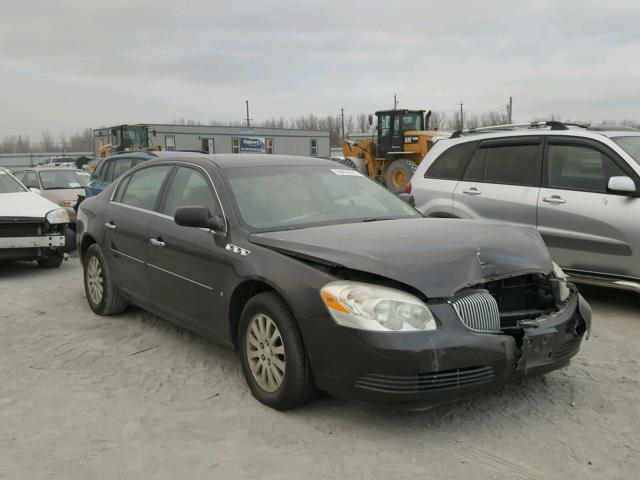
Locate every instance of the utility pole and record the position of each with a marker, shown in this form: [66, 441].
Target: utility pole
[510, 109]
[342, 120]
[248, 119]
[461, 117]
[395, 101]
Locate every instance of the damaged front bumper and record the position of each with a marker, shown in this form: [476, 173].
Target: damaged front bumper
[419, 369]
[50, 241]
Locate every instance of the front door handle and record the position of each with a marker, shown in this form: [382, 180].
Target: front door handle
[157, 242]
[556, 199]
[109, 226]
[471, 191]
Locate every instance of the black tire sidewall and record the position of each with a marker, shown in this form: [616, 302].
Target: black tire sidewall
[290, 392]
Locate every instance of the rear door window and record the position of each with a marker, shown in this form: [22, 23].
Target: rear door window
[450, 165]
[144, 186]
[514, 165]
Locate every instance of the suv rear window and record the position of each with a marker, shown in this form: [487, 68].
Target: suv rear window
[450, 165]
[506, 164]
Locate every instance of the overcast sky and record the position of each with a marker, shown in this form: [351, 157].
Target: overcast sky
[71, 64]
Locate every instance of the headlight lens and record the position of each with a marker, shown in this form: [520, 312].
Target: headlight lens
[371, 307]
[68, 203]
[563, 291]
[59, 215]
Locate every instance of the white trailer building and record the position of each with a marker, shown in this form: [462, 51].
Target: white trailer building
[215, 139]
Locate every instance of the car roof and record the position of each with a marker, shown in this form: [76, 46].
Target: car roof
[144, 154]
[229, 160]
[40, 168]
[577, 132]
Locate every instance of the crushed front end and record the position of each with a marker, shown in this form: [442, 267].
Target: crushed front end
[26, 238]
[488, 334]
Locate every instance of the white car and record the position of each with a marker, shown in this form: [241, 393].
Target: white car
[31, 227]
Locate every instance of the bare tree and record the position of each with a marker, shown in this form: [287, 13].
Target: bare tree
[47, 143]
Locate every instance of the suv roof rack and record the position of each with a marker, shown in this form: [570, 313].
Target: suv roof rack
[552, 124]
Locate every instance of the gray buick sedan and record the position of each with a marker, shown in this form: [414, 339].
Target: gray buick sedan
[323, 280]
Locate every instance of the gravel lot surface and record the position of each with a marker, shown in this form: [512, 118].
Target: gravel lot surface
[131, 396]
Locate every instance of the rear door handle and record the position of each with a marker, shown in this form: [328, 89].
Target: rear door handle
[557, 199]
[471, 191]
[156, 242]
[109, 226]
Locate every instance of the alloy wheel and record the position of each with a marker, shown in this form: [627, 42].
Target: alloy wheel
[95, 280]
[265, 353]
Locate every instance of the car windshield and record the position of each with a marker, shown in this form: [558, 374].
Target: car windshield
[631, 145]
[62, 179]
[286, 197]
[8, 184]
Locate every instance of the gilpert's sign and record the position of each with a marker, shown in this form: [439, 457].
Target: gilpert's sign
[252, 144]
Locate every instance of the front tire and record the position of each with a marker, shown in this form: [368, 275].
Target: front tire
[273, 357]
[98, 284]
[398, 174]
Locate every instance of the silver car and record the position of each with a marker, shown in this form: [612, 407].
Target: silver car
[580, 187]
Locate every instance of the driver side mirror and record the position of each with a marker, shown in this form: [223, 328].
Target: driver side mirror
[621, 184]
[198, 217]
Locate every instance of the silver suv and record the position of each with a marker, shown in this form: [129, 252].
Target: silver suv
[580, 187]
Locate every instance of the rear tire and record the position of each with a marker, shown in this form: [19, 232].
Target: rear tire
[98, 284]
[272, 353]
[398, 174]
[53, 260]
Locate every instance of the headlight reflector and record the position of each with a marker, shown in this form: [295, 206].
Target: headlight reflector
[59, 215]
[372, 307]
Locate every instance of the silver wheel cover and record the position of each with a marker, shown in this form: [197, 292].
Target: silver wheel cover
[94, 280]
[265, 352]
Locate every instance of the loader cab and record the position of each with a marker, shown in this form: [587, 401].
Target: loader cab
[391, 127]
[130, 137]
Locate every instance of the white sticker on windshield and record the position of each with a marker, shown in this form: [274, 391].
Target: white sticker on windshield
[341, 171]
[74, 185]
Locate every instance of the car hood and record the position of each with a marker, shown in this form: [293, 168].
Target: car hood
[436, 256]
[25, 205]
[59, 195]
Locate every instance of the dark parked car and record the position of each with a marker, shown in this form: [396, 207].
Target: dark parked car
[322, 279]
[112, 167]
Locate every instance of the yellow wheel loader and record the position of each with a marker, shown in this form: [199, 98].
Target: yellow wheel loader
[129, 138]
[397, 146]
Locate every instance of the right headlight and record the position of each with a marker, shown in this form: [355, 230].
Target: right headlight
[371, 307]
[59, 215]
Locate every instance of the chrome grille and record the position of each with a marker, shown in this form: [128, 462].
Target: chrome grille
[478, 310]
